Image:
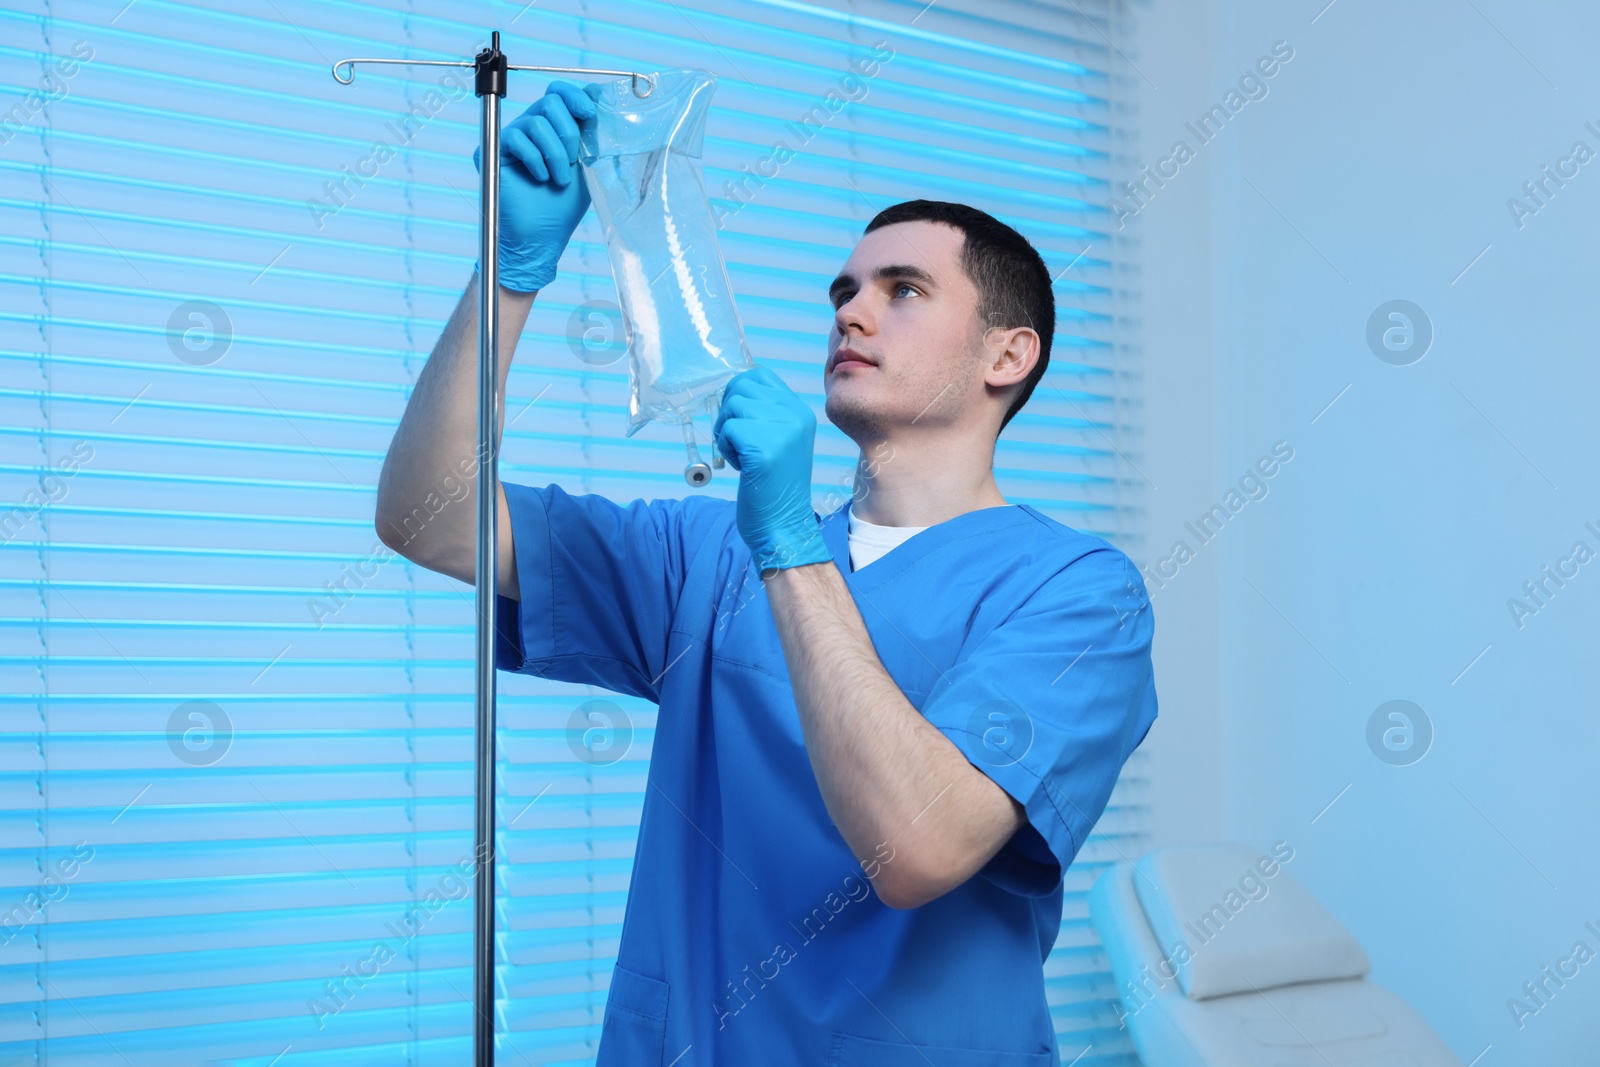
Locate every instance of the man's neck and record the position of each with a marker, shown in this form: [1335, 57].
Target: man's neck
[923, 483]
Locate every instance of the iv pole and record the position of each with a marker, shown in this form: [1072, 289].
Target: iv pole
[490, 68]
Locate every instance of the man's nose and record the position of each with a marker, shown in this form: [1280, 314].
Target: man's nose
[855, 312]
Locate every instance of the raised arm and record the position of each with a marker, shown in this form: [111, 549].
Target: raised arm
[427, 492]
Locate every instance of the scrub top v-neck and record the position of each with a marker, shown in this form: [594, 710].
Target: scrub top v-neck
[869, 542]
[751, 934]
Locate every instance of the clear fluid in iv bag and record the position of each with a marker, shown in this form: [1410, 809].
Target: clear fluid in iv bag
[641, 161]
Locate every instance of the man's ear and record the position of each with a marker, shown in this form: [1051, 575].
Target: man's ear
[1009, 353]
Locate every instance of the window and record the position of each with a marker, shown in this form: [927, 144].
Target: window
[237, 747]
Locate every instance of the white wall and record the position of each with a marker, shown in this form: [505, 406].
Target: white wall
[1381, 560]
[1166, 66]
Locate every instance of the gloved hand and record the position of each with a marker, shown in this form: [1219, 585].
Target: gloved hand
[767, 433]
[542, 193]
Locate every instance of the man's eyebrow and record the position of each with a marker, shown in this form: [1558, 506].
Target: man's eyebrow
[888, 272]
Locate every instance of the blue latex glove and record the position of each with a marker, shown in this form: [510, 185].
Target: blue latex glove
[767, 433]
[542, 193]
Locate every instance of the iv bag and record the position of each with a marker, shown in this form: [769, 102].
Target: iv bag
[641, 162]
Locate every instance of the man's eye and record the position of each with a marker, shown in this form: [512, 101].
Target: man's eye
[845, 296]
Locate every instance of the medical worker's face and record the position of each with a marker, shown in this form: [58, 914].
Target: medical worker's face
[903, 301]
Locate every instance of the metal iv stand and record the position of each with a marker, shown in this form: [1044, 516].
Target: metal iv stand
[490, 67]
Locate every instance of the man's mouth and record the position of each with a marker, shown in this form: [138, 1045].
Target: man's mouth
[846, 357]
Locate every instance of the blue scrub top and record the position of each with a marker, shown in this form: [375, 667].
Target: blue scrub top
[752, 936]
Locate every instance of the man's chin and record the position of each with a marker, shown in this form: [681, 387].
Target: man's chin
[854, 418]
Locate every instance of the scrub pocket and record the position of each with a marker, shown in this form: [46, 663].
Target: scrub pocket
[851, 1051]
[634, 1033]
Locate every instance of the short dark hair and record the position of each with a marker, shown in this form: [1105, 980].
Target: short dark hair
[1012, 281]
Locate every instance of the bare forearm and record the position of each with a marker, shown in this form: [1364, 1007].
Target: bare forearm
[427, 492]
[886, 774]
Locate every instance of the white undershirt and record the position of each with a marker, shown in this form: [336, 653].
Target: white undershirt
[869, 541]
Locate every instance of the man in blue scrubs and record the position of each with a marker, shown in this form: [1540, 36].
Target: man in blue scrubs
[884, 732]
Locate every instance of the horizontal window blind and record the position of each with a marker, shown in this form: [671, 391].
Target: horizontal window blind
[235, 731]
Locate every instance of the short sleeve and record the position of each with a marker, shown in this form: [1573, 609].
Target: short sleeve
[1050, 704]
[599, 583]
